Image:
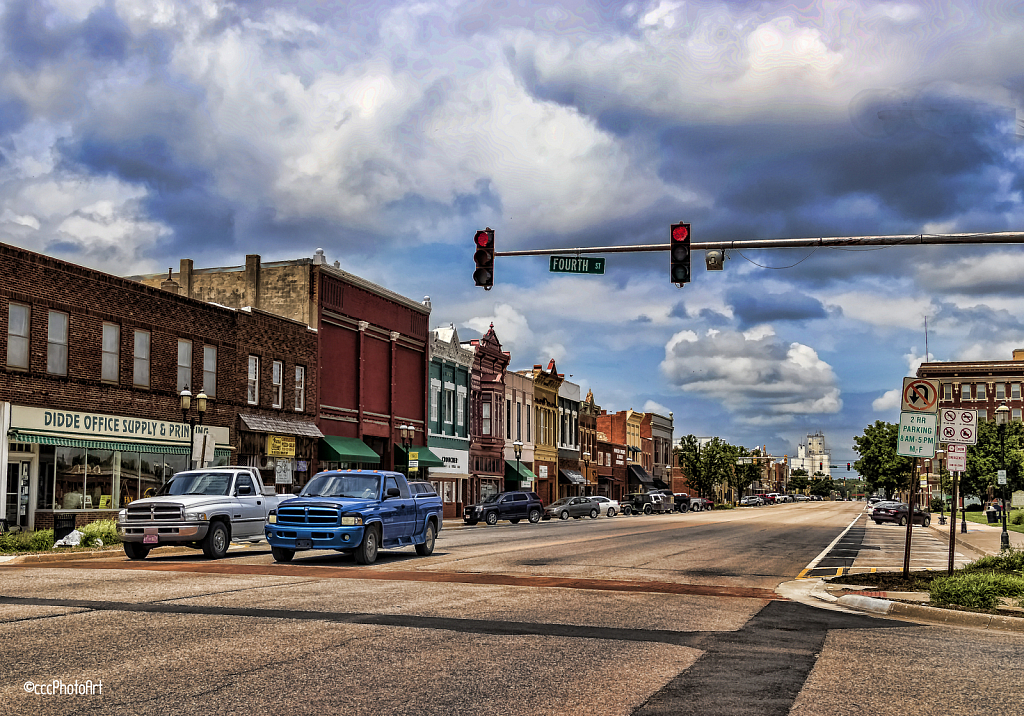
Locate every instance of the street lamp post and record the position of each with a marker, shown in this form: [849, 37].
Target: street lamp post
[586, 468]
[185, 401]
[1001, 413]
[517, 448]
[407, 432]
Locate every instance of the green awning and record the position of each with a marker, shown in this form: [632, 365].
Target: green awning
[337, 449]
[524, 474]
[23, 437]
[427, 458]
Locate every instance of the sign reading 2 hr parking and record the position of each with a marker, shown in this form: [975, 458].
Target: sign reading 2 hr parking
[958, 426]
[917, 435]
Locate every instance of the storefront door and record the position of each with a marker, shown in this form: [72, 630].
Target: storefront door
[16, 509]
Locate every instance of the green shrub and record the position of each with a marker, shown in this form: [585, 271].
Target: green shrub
[973, 508]
[724, 506]
[975, 590]
[26, 541]
[1017, 518]
[1011, 560]
[103, 530]
[41, 540]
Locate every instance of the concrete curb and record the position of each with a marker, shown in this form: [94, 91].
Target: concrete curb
[931, 615]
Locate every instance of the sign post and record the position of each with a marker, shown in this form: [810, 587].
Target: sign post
[918, 430]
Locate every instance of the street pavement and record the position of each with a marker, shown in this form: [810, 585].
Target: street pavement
[673, 614]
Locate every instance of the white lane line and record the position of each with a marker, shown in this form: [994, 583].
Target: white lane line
[814, 562]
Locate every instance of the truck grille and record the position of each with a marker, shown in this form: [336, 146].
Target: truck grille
[154, 512]
[307, 515]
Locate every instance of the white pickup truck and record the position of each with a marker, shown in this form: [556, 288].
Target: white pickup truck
[204, 509]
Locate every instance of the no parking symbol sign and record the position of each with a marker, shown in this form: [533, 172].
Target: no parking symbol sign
[958, 426]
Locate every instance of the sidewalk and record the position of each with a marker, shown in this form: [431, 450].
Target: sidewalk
[982, 539]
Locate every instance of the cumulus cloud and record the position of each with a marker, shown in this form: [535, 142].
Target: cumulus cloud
[888, 401]
[755, 375]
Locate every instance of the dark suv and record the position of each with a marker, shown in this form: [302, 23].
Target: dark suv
[511, 506]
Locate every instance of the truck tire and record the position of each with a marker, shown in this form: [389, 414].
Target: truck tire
[492, 518]
[281, 554]
[535, 516]
[429, 537]
[134, 550]
[683, 508]
[217, 540]
[594, 513]
[647, 509]
[366, 552]
[627, 510]
[698, 507]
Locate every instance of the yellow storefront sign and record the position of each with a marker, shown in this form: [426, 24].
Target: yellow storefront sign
[280, 446]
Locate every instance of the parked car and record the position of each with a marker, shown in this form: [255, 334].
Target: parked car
[511, 506]
[575, 507]
[896, 512]
[699, 504]
[801, 498]
[646, 503]
[751, 501]
[607, 505]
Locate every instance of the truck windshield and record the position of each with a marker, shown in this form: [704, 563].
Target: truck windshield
[358, 486]
[197, 483]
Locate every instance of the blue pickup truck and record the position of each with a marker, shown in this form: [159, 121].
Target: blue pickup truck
[355, 511]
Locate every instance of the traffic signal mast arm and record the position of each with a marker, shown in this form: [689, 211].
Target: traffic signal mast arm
[1004, 237]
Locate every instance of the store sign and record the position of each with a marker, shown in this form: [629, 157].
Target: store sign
[456, 462]
[281, 446]
[120, 428]
[283, 472]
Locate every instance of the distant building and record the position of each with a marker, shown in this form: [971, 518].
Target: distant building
[519, 473]
[812, 456]
[979, 385]
[448, 417]
[487, 417]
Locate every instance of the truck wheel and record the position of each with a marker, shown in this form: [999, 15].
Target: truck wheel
[492, 518]
[611, 512]
[682, 508]
[563, 515]
[216, 543]
[594, 513]
[366, 552]
[134, 550]
[281, 554]
[429, 537]
[627, 510]
[534, 516]
[698, 507]
[647, 509]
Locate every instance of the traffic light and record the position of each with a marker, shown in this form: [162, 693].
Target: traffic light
[484, 258]
[819, 466]
[680, 250]
[847, 467]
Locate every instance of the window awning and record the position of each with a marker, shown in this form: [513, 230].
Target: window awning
[301, 428]
[40, 439]
[636, 472]
[338, 449]
[524, 474]
[574, 477]
[658, 482]
[426, 458]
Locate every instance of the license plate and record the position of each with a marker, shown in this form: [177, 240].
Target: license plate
[150, 539]
[303, 544]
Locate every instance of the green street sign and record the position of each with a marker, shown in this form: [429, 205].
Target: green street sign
[577, 264]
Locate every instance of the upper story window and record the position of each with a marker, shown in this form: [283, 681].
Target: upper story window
[461, 417]
[110, 371]
[300, 388]
[485, 427]
[519, 421]
[508, 418]
[210, 371]
[1016, 415]
[965, 391]
[140, 372]
[1015, 390]
[17, 335]
[980, 392]
[435, 398]
[947, 391]
[57, 343]
[1000, 391]
[449, 405]
[277, 383]
[252, 395]
[185, 365]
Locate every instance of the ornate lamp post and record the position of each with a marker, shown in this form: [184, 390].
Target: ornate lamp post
[586, 467]
[185, 398]
[1001, 414]
[407, 432]
[517, 448]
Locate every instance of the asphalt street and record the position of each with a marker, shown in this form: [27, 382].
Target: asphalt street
[643, 615]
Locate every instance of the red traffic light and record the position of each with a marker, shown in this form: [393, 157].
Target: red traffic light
[679, 250]
[483, 257]
[680, 232]
[847, 467]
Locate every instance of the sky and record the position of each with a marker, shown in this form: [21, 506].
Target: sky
[134, 133]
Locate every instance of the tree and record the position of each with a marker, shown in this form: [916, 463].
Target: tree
[706, 464]
[743, 476]
[822, 487]
[879, 464]
[799, 482]
[985, 459]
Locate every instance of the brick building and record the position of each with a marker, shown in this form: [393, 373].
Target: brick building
[90, 387]
[627, 427]
[372, 351]
[519, 473]
[487, 417]
[546, 384]
[448, 421]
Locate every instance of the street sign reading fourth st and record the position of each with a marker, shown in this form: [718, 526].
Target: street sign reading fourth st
[577, 264]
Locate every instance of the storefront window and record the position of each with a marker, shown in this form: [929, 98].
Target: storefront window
[71, 478]
[47, 478]
[173, 464]
[129, 477]
[100, 480]
[150, 471]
